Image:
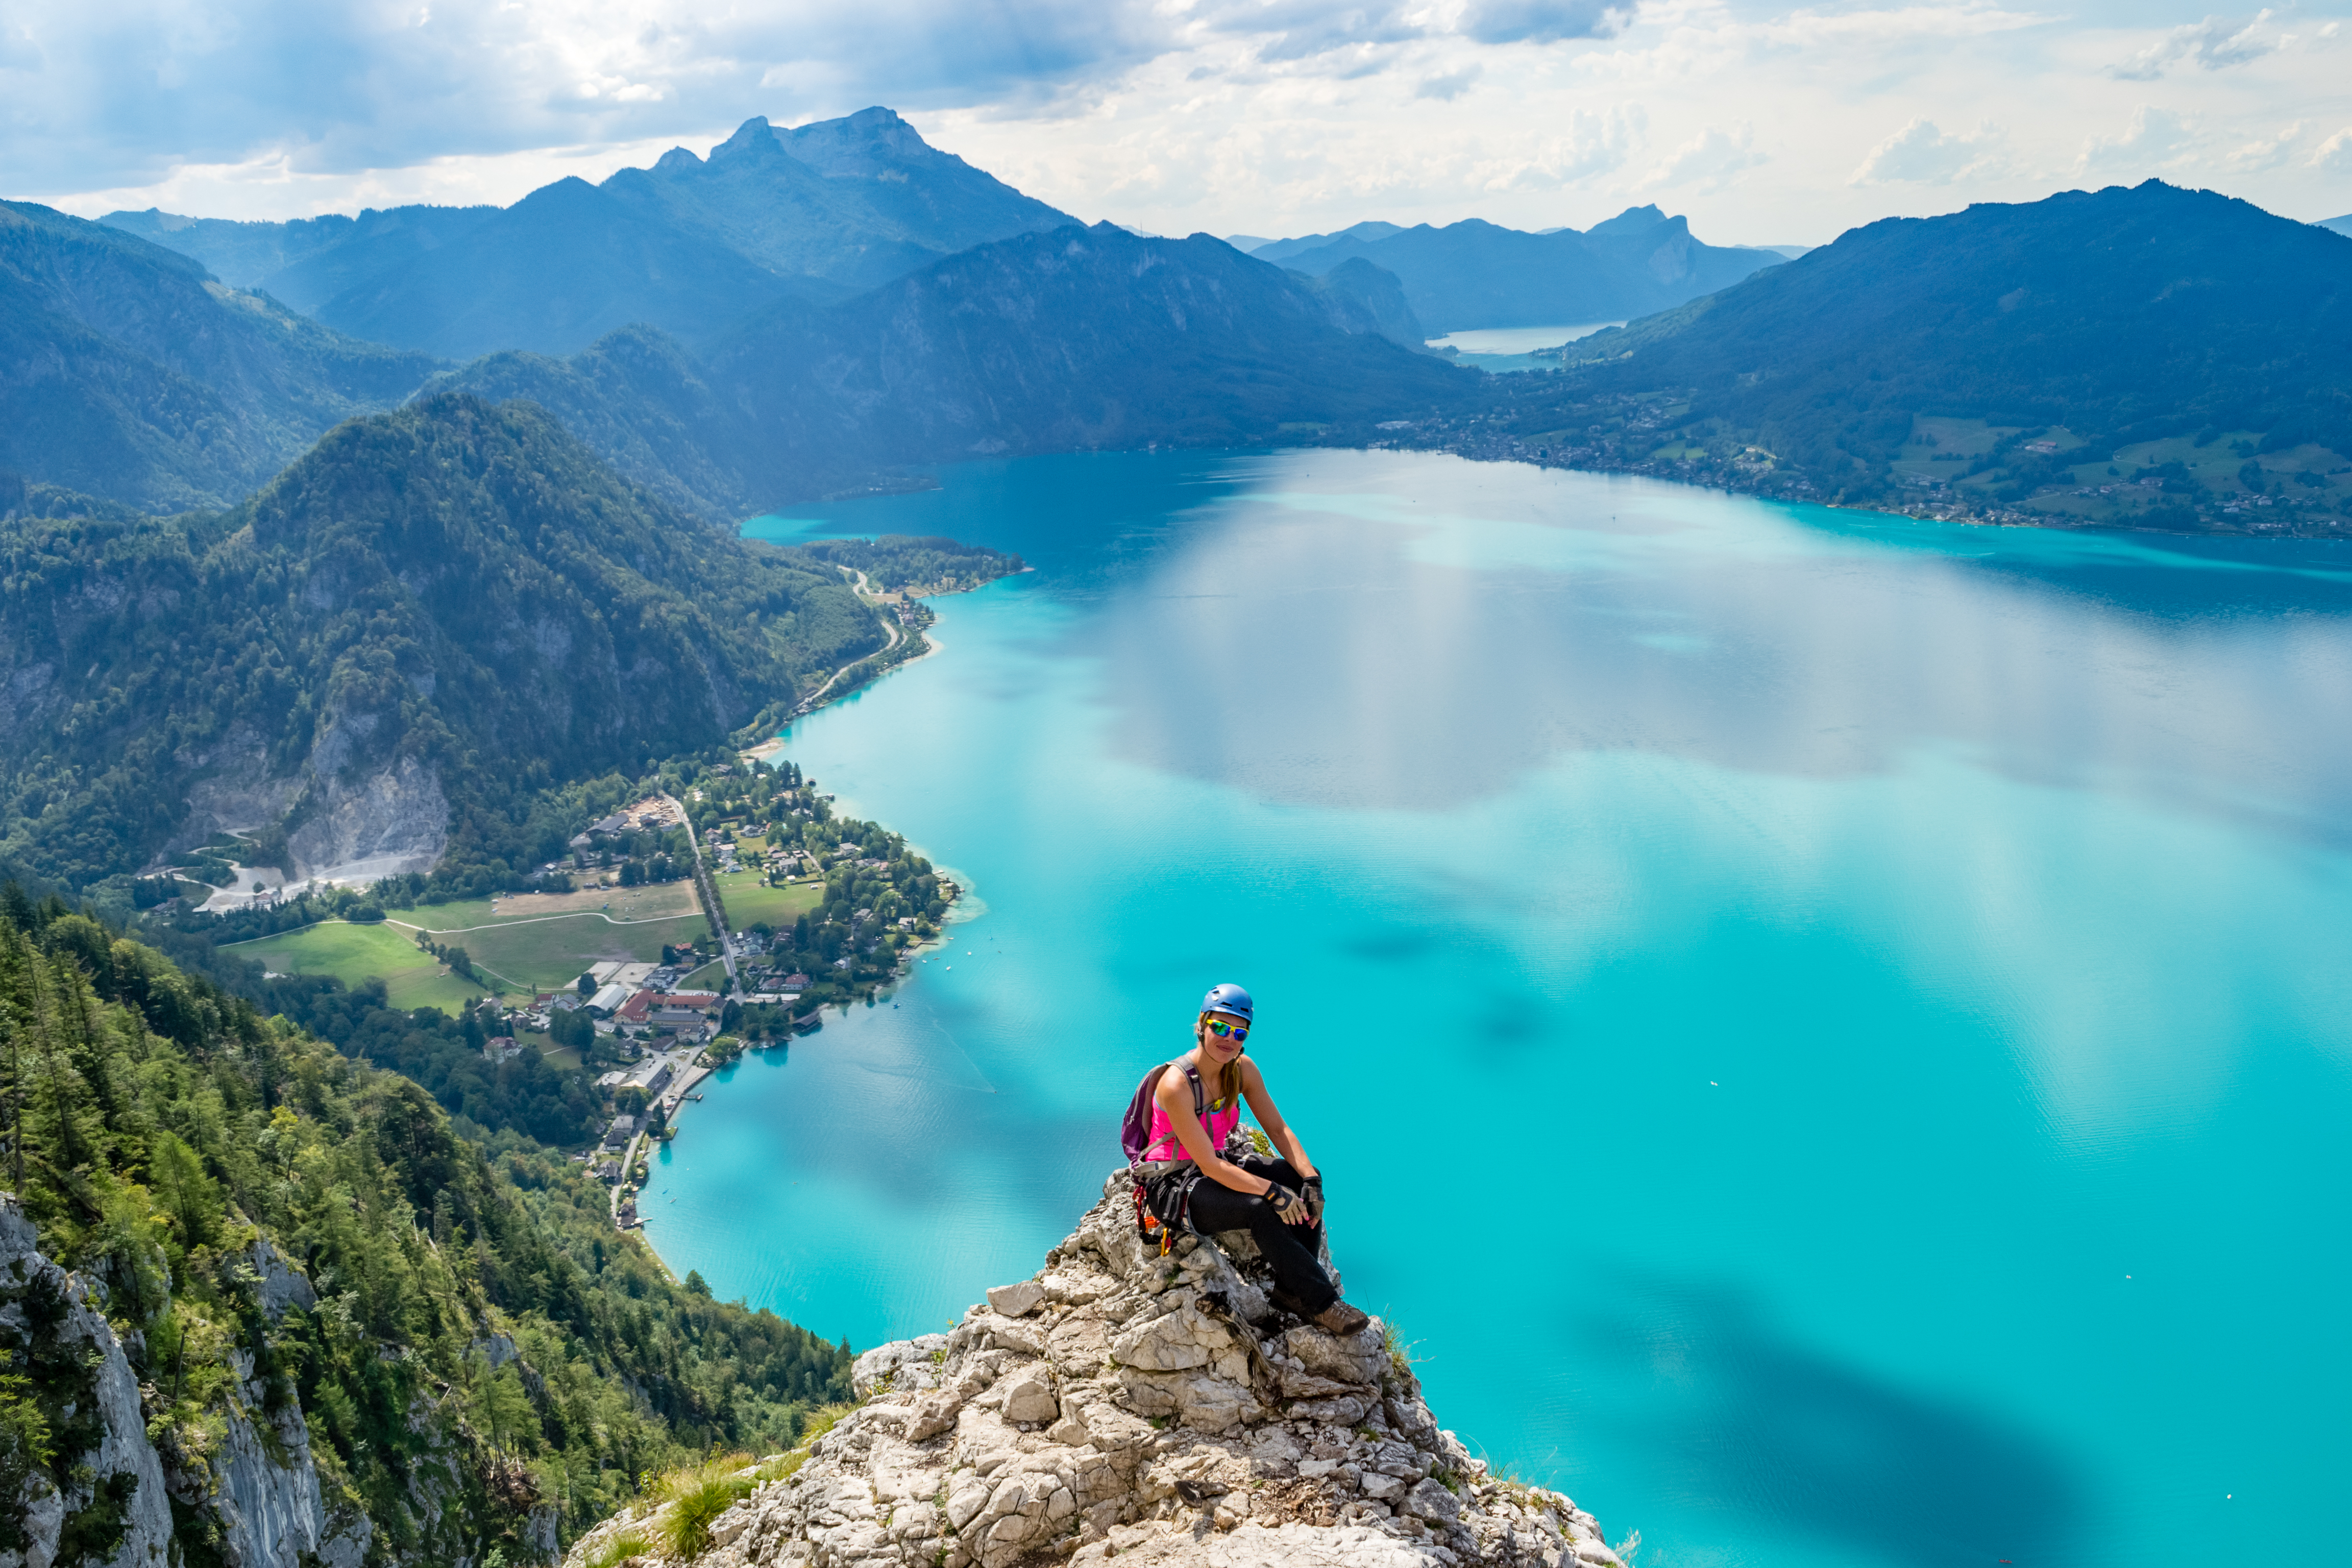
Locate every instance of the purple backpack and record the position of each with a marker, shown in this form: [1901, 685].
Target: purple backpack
[1135, 1132]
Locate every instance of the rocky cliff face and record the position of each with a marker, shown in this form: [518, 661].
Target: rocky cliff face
[110, 1507]
[109, 1495]
[1119, 1404]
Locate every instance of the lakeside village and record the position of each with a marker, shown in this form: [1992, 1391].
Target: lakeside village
[800, 909]
[859, 904]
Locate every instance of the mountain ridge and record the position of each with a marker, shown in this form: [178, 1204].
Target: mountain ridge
[128, 373]
[819, 212]
[1073, 339]
[1475, 274]
[2147, 355]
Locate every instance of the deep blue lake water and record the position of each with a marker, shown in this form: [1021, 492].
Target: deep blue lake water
[1831, 1031]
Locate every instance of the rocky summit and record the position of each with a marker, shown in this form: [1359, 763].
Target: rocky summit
[1155, 1409]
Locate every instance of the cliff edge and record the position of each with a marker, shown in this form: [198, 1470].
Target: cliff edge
[1123, 1404]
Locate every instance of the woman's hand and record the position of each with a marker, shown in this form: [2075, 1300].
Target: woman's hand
[1287, 1204]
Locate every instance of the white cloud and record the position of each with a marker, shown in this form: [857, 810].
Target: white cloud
[1922, 155]
[2212, 44]
[2268, 152]
[1595, 144]
[1262, 116]
[1288, 30]
[1542, 21]
[1450, 86]
[1708, 159]
[2155, 139]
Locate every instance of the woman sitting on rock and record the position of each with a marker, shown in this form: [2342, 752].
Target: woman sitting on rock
[1278, 1202]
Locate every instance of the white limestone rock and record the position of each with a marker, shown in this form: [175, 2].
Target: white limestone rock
[1017, 1301]
[1127, 1405]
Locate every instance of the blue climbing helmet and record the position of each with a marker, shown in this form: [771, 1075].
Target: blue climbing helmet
[1226, 999]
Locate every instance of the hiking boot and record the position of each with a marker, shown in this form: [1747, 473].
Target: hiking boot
[1340, 1320]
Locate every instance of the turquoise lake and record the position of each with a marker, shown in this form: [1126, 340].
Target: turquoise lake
[1832, 1033]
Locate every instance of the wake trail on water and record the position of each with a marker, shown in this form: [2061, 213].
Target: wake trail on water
[938, 1075]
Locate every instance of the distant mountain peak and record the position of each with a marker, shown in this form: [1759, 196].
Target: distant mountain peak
[677, 160]
[570, 192]
[1633, 220]
[861, 143]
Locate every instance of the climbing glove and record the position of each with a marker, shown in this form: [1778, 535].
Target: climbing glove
[1280, 1198]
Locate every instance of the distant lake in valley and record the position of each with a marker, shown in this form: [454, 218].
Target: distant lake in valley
[1516, 340]
[1830, 1033]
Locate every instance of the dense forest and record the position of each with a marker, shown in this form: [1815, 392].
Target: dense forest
[403, 646]
[468, 1312]
[895, 561]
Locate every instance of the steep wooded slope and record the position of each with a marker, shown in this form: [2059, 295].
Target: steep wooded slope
[2126, 313]
[305, 1321]
[127, 373]
[433, 611]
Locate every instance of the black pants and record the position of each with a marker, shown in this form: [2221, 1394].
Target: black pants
[1291, 1248]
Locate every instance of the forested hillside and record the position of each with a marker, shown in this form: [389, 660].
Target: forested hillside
[388, 654]
[127, 373]
[449, 1333]
[2152, 355]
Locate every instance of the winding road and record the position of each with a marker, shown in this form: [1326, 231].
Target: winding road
[890, 623]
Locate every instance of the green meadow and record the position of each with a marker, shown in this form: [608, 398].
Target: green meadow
[748, 902]
[355, 954]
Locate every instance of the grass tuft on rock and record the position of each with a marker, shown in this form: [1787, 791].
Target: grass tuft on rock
[693, 1496]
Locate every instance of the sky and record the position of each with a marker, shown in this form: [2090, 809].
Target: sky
[1767, 124]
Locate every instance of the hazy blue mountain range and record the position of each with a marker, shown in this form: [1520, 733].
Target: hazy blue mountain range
[127, 373]
[308, 261]
[691, 244]
[2340, 225]
[1365, 233]
[2129, 313]
[2040, 338]
[850, 203]
[380, 655]
[555, 272]
[1078, 338]
[1477, 274]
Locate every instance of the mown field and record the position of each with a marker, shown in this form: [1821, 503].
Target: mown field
[539, 942]
[355, 954]
[748, 903]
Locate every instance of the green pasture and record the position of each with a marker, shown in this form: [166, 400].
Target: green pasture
[355, 953]
[540, 950]
[748, 902]
[549, 953]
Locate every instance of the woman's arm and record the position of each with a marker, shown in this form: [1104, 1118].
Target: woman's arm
[1174, 1096]
[1286, 1142]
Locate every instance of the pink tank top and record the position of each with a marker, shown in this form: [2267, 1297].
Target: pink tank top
[1219, 1123]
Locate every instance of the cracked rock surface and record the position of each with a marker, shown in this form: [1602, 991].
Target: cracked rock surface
[1124, 1406]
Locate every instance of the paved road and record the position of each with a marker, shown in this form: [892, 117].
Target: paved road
[889, 625]
[712, 907]
[628, 1164]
